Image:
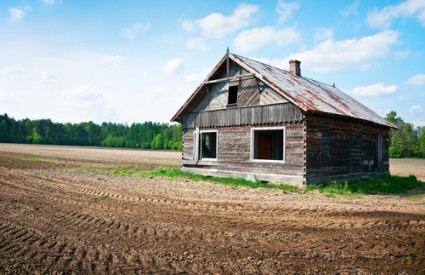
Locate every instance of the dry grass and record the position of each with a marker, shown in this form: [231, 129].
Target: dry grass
[408, 167]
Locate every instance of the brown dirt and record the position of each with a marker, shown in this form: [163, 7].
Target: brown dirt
[56, 216]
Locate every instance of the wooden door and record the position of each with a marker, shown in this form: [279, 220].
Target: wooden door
[264, 147]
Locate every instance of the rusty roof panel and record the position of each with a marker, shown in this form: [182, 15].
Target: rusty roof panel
[309, 94]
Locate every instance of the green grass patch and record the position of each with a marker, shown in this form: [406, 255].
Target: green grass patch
[41, 159]
[415, 197]
[389, 185]
[174, 173]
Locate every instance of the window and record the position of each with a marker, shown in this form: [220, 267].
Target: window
[233, 95]
[267, 144]
[208, 146]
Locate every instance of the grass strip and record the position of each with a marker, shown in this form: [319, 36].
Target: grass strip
[385, 185]
[174, 173]
[34, 159]
[388, 185]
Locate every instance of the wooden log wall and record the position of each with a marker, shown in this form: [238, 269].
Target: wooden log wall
[234, 153]
[342, 146]
[256, 115]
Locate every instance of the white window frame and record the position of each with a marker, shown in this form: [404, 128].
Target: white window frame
[252, 144]
[200, 146]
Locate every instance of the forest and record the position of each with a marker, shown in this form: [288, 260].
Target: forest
[147, 135]
[406, 141]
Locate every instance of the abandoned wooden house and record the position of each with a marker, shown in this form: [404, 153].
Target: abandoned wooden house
[249, 119]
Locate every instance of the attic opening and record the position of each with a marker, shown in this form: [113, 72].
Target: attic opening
[233, 95]
[268, 144]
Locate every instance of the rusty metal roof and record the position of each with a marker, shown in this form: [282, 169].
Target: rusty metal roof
[308, 94]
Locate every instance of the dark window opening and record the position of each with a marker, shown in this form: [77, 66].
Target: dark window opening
[233, 95]
[268, 144]
[209, 145]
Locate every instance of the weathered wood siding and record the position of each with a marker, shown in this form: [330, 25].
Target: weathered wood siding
[251, 91]
[257, 115]
[340, 147]
[234, 145]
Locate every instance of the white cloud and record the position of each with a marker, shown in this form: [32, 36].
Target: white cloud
[260, 37]
[131, 32]
[416, 80]
[19, 73]
[218, 25]
[331, 55]
[416, 109]
[384, 18]
[197, 43]
[114, 59]
[352, 8]
[174, 66]
[187, 25]
[16, 14]
[375, 90]
[285, 10]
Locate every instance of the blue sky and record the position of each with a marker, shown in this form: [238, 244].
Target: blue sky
[135, 61]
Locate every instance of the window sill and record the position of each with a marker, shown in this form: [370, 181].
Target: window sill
[268, 161]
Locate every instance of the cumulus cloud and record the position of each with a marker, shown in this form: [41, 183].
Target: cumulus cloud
[286, 9]
[136, 28]
[416, 80]
[218, 25]
[16, 14]
[416, 109]
[384, 18]
[259, 37]
[114, 59]
[174, 66]
[375, 90]
[333, 55]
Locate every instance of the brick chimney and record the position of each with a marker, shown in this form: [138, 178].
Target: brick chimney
[294, 67]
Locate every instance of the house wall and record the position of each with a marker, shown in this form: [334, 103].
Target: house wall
[234, 145]
[341, 148]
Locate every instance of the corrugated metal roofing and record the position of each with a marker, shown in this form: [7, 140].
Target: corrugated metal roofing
[306, 93]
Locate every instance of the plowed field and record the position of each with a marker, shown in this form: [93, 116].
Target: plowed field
[58, 216]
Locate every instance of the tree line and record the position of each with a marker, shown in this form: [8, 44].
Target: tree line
[407, 141]
[147, 135]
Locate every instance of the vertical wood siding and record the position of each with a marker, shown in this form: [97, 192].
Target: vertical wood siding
[338, 146]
